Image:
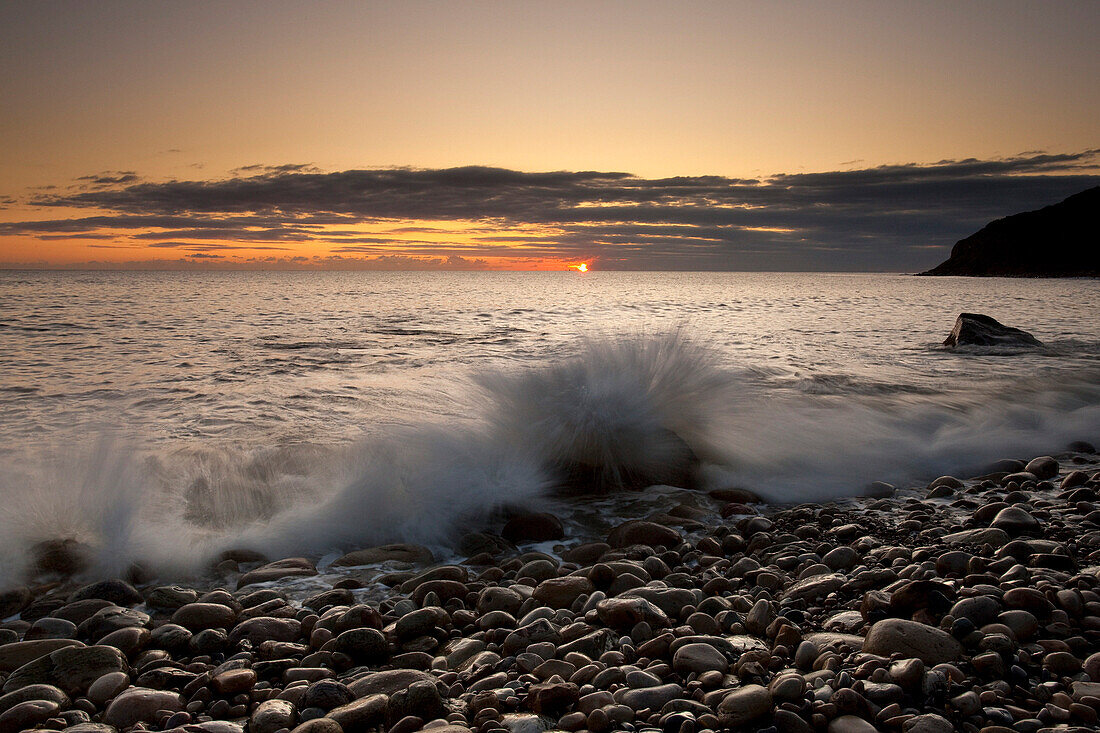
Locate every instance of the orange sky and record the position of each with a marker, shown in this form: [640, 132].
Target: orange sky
[193, 91]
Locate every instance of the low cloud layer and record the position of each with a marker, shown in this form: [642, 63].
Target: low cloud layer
[897, 217]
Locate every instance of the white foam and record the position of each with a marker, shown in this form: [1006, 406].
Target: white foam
[612, 404]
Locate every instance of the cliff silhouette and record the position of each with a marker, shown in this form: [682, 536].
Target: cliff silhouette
[1061, 240]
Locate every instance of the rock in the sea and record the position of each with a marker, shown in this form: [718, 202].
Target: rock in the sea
[975, 329]
[912, 639]
[477, 543]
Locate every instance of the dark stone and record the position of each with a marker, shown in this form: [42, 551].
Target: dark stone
[326, 694]
[477, 543]
[334, 597]
[917, 594]
[975, 329]
[66, 557]
[111, 618]
[677, 466]
[14, 600]
[540, 527]
[118, 592]
[363, 645]
[553, 697]
[640, 532]
[420, 699]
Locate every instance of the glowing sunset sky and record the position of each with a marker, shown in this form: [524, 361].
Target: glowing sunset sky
[691, 135]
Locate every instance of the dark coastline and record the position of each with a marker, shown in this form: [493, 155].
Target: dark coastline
[1061, 240]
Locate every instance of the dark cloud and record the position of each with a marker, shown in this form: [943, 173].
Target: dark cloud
[205, 247]
[261, 169]
[896, 217]
[111, 178]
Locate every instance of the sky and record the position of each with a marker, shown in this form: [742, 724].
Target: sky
[532, 135]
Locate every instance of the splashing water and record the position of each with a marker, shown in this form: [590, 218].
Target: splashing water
[619, 411]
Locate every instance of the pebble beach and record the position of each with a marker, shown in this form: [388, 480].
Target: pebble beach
[968, 604]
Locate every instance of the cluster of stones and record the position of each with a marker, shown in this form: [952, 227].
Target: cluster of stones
[972, 607]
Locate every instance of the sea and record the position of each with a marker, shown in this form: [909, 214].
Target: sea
[163, 417]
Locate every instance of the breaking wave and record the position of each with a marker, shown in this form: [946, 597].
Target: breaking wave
[619, 413]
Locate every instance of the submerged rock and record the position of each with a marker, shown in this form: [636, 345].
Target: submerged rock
[539, 527]
[976, 329]
[62, 556]
[672, 463]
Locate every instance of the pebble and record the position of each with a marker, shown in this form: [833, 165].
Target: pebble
[1015, 521]
[199, 616]
[912, 639]
[15, 655]
[850, 724]
[744, 705]
[699, 658]
[140, 705]
[107, 686]
[971, 605]
[72, 669]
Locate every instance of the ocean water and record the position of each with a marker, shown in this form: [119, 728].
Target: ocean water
[163, 417]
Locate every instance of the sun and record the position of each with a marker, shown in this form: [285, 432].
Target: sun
[582, 267]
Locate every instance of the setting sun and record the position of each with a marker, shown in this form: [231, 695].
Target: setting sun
[582, 267]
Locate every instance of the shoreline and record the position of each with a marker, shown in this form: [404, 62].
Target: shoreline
[971, 605]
